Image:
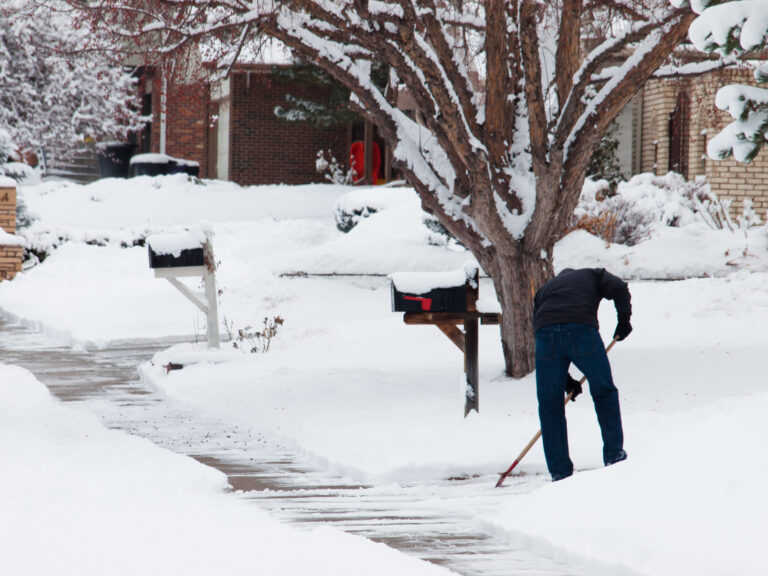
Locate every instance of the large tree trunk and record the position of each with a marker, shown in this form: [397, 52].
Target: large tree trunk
[516, 277]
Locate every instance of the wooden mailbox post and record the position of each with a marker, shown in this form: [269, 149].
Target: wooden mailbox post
[448, 307]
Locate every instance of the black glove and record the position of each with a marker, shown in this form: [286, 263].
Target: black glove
[572, 385]
[623, 328]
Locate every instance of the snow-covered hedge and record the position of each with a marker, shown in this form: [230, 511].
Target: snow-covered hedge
[363, 202]
[627, 216]
[630, 215]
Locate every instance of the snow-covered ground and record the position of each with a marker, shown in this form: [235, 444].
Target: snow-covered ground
[354, 389]
[78, 499]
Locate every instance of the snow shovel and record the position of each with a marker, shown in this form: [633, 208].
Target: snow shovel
[536, 437]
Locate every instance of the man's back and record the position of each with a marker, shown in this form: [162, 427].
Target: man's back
[573, 297]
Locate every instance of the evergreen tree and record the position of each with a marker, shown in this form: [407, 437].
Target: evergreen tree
[604, 163]
[334, 110]
[736, 28]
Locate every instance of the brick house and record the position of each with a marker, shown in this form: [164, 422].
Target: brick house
[231, 130]
[667, 125]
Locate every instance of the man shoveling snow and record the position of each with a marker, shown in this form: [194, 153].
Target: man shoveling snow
[566, 326]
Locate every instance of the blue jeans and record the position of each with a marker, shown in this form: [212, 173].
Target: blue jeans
[557, 346]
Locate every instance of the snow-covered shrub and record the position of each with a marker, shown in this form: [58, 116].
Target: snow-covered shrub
[24, 218]
[748, 216]
[327, 165]
[354, 206]
[9, 159]
[254, 341]
[647, 200]
[16, 170]
[347, 219]
[613, 218]
[42, 241]
[440, 235]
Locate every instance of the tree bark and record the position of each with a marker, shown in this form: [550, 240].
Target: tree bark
[480, 134]
[516, 277]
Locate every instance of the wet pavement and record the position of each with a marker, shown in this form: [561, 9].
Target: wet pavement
[429, 520]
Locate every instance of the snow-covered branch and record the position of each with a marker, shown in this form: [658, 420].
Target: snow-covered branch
[733, 29]
[53, 93]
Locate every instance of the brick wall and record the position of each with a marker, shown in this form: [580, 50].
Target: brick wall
[187, 119]
[10, 256]
[187, 124]
[265, 149]
[658, 104]
[729, 179]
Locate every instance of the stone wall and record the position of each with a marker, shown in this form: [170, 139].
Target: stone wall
[10, 256]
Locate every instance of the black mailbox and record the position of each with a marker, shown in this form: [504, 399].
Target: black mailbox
[452, 299]
[188, 257]
[431, 291]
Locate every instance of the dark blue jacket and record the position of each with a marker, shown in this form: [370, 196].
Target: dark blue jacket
[573, 297]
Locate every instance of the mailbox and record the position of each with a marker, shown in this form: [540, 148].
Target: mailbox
[177, 250]
[446, 300]
[184, 254]
[187, 257]
[450, 299]
[431, 291]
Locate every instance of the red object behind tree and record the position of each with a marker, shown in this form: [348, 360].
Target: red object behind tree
[357, 160]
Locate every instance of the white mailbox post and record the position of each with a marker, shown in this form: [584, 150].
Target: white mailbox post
[185, 254]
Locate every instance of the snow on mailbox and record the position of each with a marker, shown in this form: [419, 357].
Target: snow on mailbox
[432, 291]
[177, 250]
[188, 253]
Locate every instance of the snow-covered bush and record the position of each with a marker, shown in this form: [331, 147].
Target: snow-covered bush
[748, 216]
[327, 165]
[24, 218]
[647, 200]
[16, 170]
[363, 202]
[254, 341]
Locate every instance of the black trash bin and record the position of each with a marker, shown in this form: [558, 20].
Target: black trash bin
[179, 166]
[151, 165]
[114, 159]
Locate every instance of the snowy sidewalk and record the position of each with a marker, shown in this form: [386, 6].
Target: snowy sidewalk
[78, 499]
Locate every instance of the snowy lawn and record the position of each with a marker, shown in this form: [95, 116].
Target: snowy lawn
[356, 390]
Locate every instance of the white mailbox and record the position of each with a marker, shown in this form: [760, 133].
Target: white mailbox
[188, 253]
